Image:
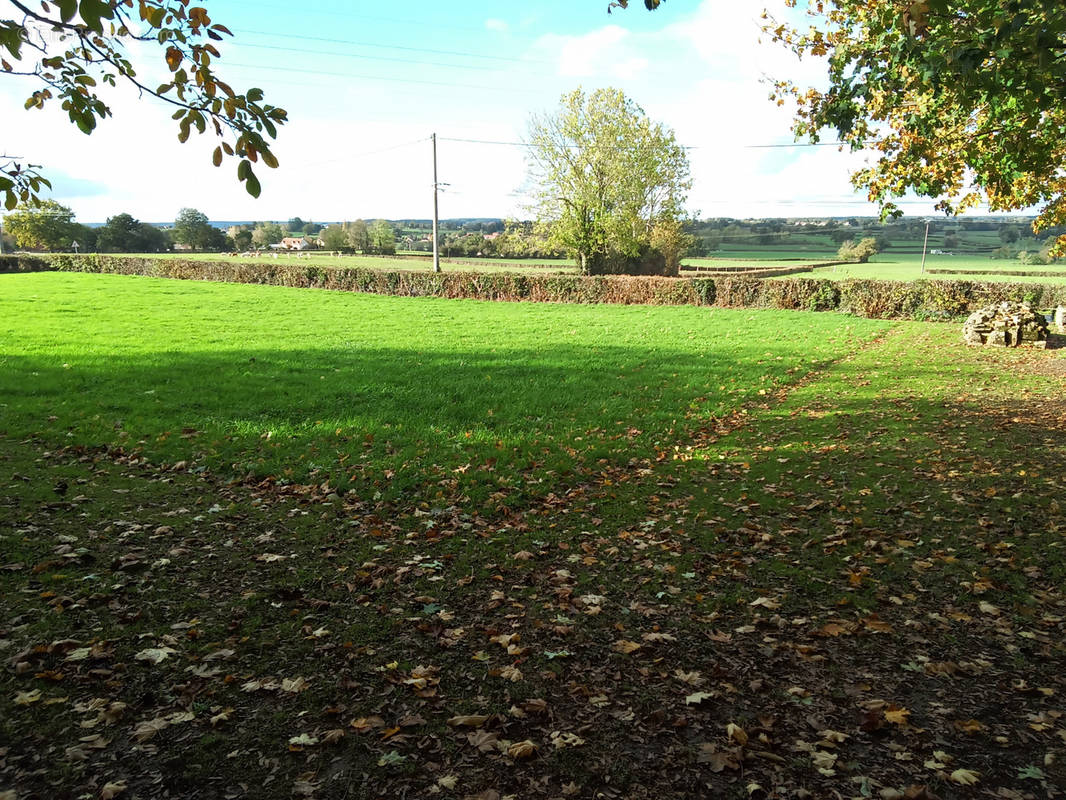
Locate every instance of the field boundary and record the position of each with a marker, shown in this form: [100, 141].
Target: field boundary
[935, 300]
[1010, 273]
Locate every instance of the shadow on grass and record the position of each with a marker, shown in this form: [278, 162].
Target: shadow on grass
[396, 419]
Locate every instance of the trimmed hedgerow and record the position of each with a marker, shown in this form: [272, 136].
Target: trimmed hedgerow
[20, 262]
[924, 299]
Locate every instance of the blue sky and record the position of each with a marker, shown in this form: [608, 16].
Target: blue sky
[366, 83]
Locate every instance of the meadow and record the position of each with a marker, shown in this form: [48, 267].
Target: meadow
[260, 542]
[325, 386]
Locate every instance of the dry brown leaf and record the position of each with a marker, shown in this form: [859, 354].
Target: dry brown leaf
[520, 751]
[965, 777]
[294, 685]
[155, 655]
[626, 647]
[469, 721]
[112, 789]
[513, 674]
[736, 733]
[897, 716]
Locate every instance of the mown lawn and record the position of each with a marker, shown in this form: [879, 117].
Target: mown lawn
[837, 574]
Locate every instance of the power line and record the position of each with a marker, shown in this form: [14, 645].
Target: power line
[392, 20]
[509, 89]
[528, 145]
[479, 68]
[367, 153]
[685, 147]
[464, 54]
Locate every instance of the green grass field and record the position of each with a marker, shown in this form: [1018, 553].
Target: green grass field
[908, 267]
[265, 543]
[319, 259]
[353, 388]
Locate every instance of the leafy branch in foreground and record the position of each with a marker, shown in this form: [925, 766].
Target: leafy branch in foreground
[71, 48]
[960, 99]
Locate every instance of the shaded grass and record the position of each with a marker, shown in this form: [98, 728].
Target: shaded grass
[884, 533]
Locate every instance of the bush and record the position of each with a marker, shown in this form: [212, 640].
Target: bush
[925, 299]
[860, 251]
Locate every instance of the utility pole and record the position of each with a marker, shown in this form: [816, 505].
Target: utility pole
[436, 246]
[925, 244]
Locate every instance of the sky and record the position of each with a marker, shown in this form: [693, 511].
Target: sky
[366, 84]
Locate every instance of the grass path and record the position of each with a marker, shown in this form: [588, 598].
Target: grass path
[852, 586]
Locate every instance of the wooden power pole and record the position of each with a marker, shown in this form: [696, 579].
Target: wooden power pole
[436, 186]
[925, 244]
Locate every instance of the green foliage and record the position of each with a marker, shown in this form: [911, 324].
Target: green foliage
[334, 238]
[124, 234]
[267, 233]
[71, 50]
[381, 238]
[935, 299]
[358, 235]
[44, 226]
[193, 229]
[860, 251]
[609, 183]
[958, 99]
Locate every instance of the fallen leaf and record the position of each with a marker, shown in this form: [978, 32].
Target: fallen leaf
[112, 789]
[965, 777]
[522, 750]
[737, 734]
[155, 655]
[897, 716]
[626, 647]
[513, 674]
[294, 685]
[27, 698]
[470, 721]
[149, 728]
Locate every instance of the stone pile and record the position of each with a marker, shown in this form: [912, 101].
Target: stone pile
[1008, 324]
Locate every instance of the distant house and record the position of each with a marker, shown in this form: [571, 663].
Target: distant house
[294, 243]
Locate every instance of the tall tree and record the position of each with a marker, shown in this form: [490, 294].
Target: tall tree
[961, 100]
[267, 233]
[120, 234]
[382, 238]
[192, 228]
[69, 49]
[608, 182]
[358, 235]
[334, 238]
[48, 226]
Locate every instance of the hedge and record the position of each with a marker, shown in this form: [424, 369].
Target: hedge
[923, 299]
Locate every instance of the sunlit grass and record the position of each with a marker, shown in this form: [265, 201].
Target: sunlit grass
[384, 394]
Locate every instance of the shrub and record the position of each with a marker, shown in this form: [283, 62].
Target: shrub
[858, 251]
[925, 299]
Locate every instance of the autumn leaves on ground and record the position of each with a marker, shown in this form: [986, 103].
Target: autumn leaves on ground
[270, 543]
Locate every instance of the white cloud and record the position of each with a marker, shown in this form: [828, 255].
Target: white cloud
[497, 25]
